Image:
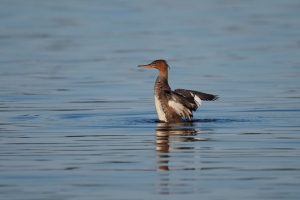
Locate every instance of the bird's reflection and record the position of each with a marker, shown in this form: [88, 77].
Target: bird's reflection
[166, 134]
[171, 142]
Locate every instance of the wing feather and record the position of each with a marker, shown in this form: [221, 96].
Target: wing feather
[186, 101]
[201, 95]
[180, 104]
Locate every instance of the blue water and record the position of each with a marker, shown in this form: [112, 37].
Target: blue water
[77, 117]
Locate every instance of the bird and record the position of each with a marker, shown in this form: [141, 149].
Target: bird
[174, 106]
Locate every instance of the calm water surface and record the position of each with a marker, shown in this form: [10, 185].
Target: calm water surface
[77, 118]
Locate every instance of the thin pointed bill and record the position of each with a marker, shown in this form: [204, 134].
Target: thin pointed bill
[145, 66]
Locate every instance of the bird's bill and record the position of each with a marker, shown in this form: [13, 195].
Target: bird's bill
[145, 66]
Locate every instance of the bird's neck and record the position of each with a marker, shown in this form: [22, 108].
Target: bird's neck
[161, 83]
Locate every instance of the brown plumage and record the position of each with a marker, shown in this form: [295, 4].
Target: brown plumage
[174, 106]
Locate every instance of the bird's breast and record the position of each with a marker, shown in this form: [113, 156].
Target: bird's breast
[159, 109]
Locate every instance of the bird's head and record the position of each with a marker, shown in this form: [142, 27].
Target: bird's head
[161, 65]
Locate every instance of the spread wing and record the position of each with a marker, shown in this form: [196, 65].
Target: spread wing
[186, 101]
[202, 96]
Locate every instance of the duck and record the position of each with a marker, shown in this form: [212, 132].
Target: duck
[174, 106]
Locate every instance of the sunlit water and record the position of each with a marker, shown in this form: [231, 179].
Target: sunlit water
[77, 118]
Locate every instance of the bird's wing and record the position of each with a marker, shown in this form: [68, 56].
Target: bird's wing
[183, 106]
[193, 94]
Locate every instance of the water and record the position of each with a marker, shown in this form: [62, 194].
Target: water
[77, 118]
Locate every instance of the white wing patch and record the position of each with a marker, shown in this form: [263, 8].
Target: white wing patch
[198, 101]
[160, 113]
[180, 109]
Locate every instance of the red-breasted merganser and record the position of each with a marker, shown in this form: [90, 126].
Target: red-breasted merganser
[174, 106]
